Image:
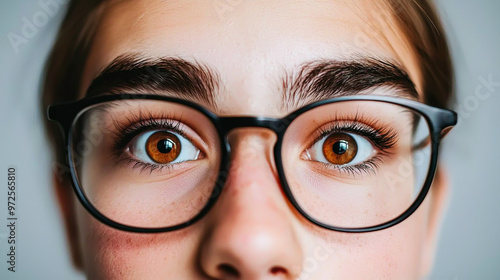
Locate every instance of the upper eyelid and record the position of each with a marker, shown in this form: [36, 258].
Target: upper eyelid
[325, 132]
[153, 124]
[182, 129]
[390, 136]
[124, 133]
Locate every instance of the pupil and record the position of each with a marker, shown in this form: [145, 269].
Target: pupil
[165, 146]
[340, 147]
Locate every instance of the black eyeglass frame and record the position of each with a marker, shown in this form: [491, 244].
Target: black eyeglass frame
[439, 121]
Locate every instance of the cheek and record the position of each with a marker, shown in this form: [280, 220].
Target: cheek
[113, 254]
[393, 253]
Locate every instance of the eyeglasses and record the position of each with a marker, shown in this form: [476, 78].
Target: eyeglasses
[152, 163]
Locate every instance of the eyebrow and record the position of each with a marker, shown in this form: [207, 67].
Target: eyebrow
[311, 81]
[131, 73]
[319, 80]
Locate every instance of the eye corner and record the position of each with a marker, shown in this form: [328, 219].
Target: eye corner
[305, 155]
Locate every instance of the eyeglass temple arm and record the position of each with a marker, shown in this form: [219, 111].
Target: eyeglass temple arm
[446, 121]
[63, 115]
[445, 132]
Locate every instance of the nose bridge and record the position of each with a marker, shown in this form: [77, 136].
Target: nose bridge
[249, 146]
[251, 235]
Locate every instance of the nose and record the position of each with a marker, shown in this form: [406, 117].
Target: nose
[251, 229]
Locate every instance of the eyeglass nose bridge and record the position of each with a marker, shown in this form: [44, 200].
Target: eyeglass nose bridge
[278, 125]
[227, 124]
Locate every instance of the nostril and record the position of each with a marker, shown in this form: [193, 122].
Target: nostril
[228, 270]
[278, 270]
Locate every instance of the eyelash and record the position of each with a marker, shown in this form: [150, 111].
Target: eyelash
[384, 139]
[136, 125]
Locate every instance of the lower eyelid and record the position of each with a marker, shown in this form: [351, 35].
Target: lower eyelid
[152, 167]
[364, 167]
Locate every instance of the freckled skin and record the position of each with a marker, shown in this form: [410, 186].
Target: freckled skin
[252, 227]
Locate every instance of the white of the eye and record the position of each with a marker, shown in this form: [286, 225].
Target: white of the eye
[188, 150]
[365, 150]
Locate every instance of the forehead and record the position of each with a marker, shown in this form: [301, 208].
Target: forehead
[247, 42]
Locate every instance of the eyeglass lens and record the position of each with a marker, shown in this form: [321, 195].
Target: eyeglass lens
[152, 163]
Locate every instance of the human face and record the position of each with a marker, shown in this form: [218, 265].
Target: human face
[252, 232]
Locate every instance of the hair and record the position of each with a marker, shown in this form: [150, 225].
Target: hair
[417, 19]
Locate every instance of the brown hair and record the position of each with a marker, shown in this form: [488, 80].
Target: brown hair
[416, 18]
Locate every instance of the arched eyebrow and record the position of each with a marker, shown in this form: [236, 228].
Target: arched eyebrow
[311, 81]
[324, 79]
[133, 73]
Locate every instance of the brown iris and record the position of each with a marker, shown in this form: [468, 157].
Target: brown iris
[163, 147]
[340, 148]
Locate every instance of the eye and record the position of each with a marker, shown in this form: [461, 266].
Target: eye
[163, 147]
[341, 148]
